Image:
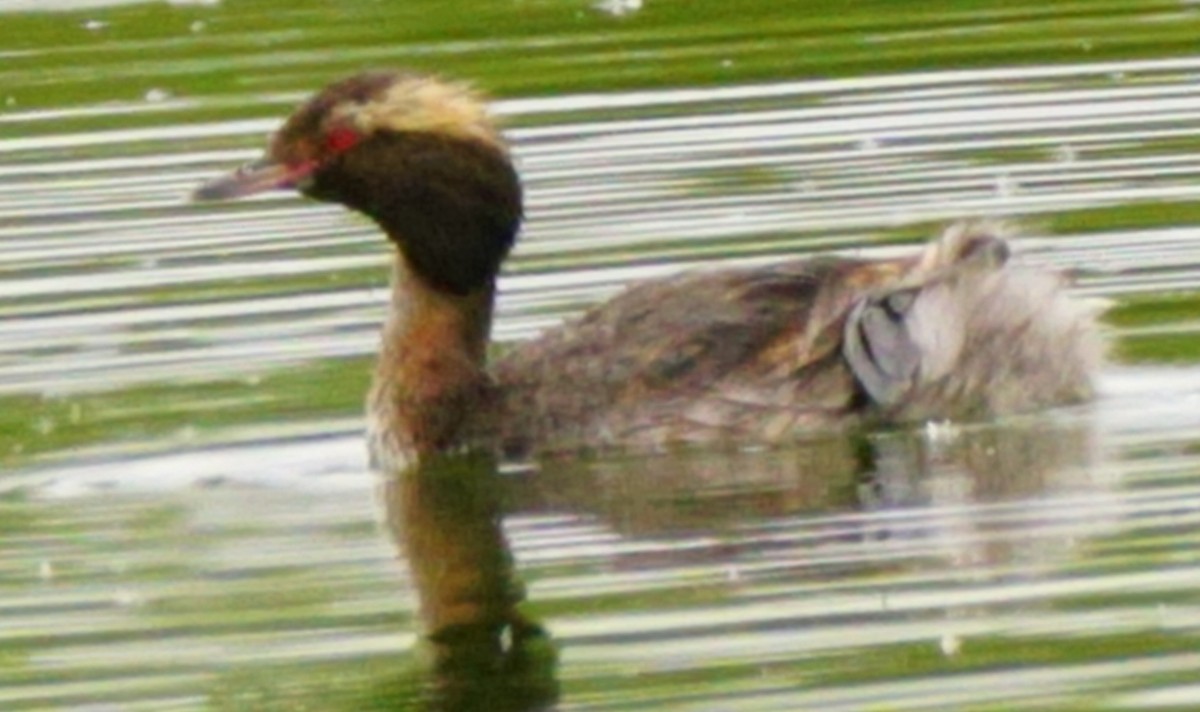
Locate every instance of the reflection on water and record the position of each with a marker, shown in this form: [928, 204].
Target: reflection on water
[186, 516]
[445, 516]
[989, 514]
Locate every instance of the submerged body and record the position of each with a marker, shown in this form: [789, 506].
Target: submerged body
[759, 354]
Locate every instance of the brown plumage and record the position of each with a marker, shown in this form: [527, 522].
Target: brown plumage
[760, 354]
[769, 353]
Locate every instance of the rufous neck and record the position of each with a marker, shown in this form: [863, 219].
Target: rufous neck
[431, 383]
[436, 325]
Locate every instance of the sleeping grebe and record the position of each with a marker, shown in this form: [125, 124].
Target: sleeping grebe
[758, 354]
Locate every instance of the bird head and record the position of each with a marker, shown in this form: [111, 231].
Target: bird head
[419, 155]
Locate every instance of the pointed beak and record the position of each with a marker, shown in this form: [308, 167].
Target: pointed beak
[261, 175]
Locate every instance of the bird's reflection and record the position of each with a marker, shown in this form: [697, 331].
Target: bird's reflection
[947, 481]
[486, 655]
[935, 474]
[1019, 494]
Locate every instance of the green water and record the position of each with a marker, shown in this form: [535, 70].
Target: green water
[186, 514]
[544, 47]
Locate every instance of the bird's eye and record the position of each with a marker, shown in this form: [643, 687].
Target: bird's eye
[341, 139]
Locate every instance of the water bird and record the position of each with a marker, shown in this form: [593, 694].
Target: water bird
[957, 329]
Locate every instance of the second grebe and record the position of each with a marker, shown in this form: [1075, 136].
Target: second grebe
[758, 354]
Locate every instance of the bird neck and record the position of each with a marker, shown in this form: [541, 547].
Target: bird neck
[431, 378]
[434, 323]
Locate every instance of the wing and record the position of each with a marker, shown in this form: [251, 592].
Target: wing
[742, 352]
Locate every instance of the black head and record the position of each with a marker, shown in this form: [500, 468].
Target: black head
[417, 154]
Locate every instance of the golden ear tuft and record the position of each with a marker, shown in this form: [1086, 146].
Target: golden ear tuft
[425, 104]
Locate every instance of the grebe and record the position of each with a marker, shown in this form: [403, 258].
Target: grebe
[762, 354]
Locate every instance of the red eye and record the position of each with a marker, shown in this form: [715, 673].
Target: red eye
[341, 139]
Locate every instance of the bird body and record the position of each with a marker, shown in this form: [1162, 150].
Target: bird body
[762, 354]
[767, 354]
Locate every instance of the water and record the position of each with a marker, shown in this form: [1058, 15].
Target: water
[187, 515]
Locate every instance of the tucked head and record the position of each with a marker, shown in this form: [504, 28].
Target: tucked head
[417, 154]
